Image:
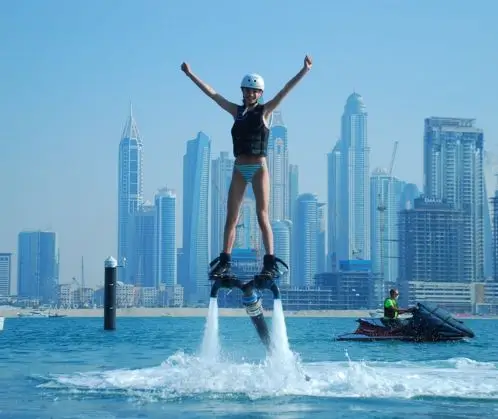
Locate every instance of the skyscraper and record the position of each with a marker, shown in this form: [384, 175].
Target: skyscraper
[282, 243]
[196, 165]
[333, 206]
[278, 162]
[38, 266]
[221, 176]
[385, 197]
[293, 190]
[321, 238]
[165, 249]
[354, 204]
[430, 247]
[408, 195]
[494, 247]
[307, 240]
[293, 194]
[248, 233]
[453, 171]
[141, 256]
[130, 188]
[5, 273]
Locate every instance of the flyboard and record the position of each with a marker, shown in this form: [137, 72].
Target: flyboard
[250, 300]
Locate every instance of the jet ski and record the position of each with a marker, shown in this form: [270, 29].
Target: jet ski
[429, 323]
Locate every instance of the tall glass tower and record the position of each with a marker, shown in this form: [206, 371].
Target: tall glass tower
[38, 266]
[278, 162]
[130, 189]
[354, 206]
[165, 249]
[196, 165]
[221, 176]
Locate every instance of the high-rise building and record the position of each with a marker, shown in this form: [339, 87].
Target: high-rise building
[307, 240]
[490, 169]
[385, 196]
[278, 162]
[196, 166]
[354, 203]
[321, 238]
[5, 273]
[494, 247]
[141, 257]
[248, 233]
[409, 193]
[430, 243]
[165, 249]
[282, 244]
[130, 189]
[333, 207]
[453, 171]
[38, 266]
[293, 194]
[221, 177]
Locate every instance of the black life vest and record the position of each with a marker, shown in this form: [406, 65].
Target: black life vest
[249, 132]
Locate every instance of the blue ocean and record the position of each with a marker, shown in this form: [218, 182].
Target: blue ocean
[158, 368]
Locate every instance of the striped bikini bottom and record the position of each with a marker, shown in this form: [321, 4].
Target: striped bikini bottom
[248, 170]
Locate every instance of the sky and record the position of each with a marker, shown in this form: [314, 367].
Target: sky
[69, 70]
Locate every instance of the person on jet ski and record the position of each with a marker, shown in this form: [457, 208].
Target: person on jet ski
[392, 311]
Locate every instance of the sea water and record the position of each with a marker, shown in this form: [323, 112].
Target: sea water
[157, 367]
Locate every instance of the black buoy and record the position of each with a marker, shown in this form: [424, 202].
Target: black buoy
[111, 266]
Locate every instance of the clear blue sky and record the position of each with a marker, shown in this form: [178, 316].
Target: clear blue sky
[70, 69]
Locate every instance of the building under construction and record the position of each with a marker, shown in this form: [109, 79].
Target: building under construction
[494, 202]
[432, 246]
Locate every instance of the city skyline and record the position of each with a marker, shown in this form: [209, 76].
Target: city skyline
[145, 206]
[68, 96]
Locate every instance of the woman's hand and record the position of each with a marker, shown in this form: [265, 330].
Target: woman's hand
[307, 63]
[185, 68]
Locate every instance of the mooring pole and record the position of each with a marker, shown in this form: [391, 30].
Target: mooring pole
[110, 293]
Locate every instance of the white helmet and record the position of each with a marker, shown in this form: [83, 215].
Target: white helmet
[253, 81]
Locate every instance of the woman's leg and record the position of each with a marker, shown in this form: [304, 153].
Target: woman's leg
[235, 197]
[234, 201]
[261, 188]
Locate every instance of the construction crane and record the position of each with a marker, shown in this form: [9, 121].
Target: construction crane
[381, 207]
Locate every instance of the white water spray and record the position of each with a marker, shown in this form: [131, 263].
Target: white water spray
[210, 342]
[284, 363]
[280, 341]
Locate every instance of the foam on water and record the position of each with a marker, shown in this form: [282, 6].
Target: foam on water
[182, 375]
[282, 374]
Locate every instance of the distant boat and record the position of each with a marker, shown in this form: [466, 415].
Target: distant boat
[40, 313]
[33, 313]
[2, 321]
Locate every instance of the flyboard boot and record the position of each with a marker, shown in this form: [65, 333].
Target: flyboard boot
[221, 266]
[269, 273]
[221, 274]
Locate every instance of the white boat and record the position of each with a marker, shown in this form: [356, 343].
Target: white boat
[2, 321]
[41, 313]
[33, 313]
